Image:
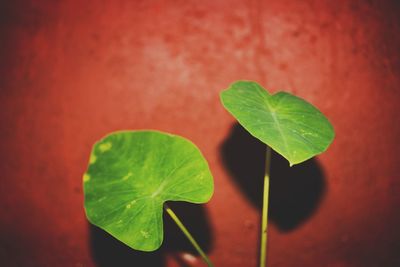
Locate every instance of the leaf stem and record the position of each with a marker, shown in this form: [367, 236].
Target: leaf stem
[264, 220]
[188, 235]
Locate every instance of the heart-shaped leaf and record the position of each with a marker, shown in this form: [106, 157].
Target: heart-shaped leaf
[288, 124]
[132, 173]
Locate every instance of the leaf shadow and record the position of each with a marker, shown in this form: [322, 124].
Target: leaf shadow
[295, 192]
[107, 251]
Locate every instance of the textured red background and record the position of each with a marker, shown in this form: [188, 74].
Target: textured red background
[72, 71]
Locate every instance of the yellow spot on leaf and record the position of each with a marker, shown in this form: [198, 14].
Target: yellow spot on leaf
[86, 177]
[128, 206]
[92, 159]
[105, 146]
[126, 177]
[145, 234]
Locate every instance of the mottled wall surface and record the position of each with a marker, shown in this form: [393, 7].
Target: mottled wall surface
[72, 71]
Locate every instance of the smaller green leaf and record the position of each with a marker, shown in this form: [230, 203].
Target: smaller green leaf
[288, 124]
[130, 176]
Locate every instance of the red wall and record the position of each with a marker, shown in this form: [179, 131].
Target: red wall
[72, 71]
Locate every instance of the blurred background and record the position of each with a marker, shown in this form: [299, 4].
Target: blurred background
[73, 71]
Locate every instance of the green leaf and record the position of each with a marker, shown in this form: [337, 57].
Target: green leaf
[132, 173]
[288, 124]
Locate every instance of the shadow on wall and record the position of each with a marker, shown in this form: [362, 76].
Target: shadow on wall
[109, 252]
[295, 192]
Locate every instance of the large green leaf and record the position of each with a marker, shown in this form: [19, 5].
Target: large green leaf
[132, 173]
[288, 124]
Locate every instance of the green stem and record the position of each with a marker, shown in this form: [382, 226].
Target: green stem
[188, 235]
[264, 220]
